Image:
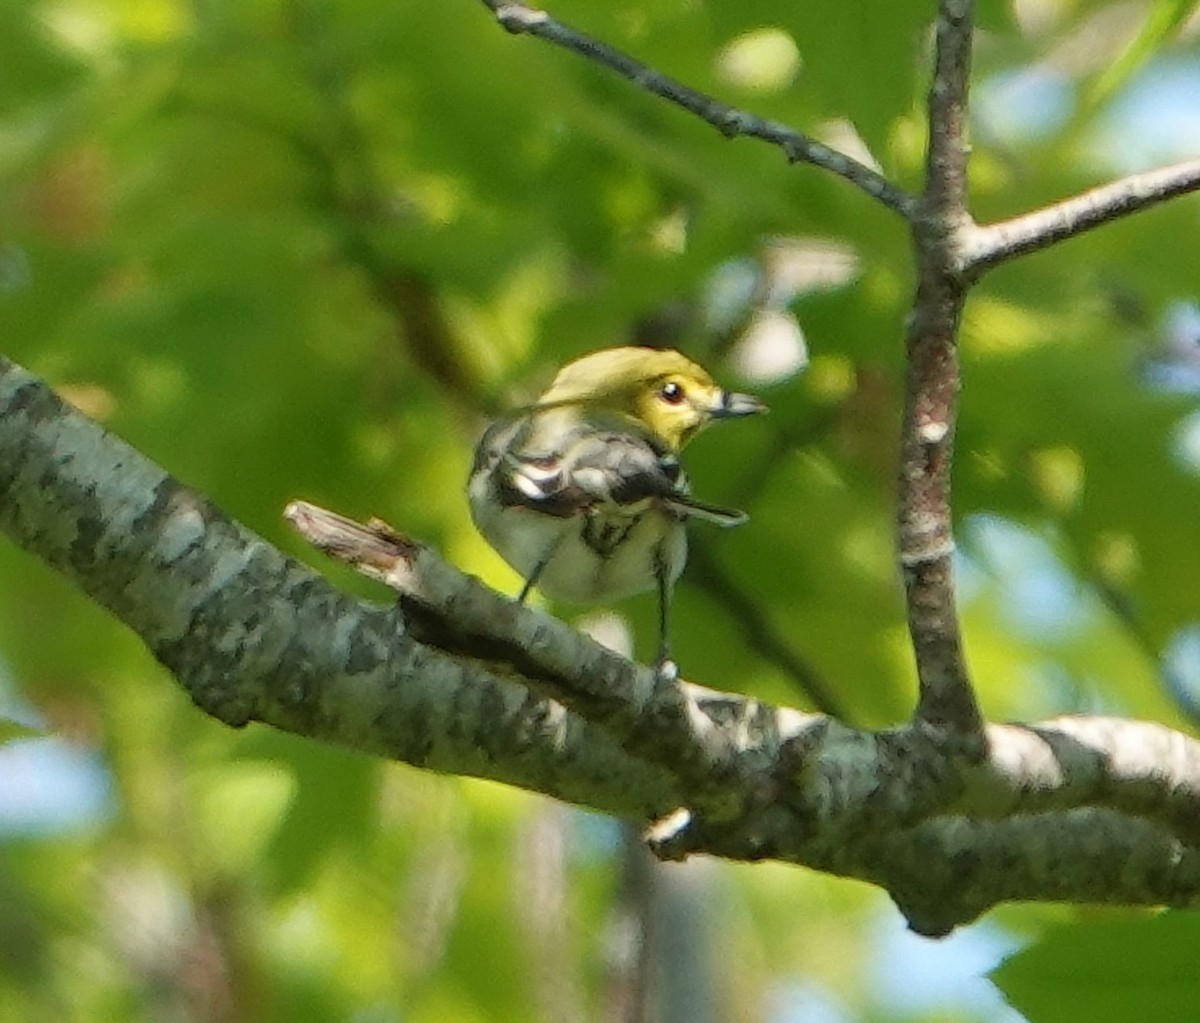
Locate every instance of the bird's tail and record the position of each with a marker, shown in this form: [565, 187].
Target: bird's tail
[689, 507]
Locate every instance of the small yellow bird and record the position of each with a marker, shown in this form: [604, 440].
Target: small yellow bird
[582, 492]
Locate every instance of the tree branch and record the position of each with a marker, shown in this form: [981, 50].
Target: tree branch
[991, 245]
[520, 19]
[1117, 860]
[924, 536]
[255, 636]
[951, 252]
[946, 156]
[925, 541]
[807, 789]
[659, 721]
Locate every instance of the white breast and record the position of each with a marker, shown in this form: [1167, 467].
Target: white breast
[576, 573]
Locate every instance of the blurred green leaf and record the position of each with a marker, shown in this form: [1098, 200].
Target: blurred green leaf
[304, 248]
[32, 66]
[1105, 970]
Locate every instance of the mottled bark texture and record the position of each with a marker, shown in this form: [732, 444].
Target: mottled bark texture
[949, 814]
[457, 678]
[255, 636]
[942, 828]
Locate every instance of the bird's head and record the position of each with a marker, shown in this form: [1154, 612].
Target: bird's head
[657, 391]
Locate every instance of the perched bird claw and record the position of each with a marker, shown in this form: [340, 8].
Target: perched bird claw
[666, 670]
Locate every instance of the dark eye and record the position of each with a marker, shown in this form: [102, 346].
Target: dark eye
[671, 393]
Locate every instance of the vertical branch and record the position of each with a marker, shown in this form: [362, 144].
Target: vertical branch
[946, 159]
[925, 538]
[634, 942]
[543, 912]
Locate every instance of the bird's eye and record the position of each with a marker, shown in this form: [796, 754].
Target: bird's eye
[671, 393]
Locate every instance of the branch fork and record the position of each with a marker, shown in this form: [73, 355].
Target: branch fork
[755, 781]
[948, 813]
[952, 252]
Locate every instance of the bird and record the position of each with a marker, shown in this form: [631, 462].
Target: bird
[582, 492]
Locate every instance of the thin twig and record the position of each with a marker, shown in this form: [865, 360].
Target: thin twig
[1120, 606]
[704, 571]
[520, 19]
[924, 536]
[993, 244]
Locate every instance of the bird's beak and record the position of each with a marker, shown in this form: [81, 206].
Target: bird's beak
[733, 406]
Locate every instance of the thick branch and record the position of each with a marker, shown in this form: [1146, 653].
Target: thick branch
[1116, 860]
[946, 870]
[881, 806]
[1089, 810]
[924, 536]
[989, 246]
[659, 721]
[254, 636]
[731, 122]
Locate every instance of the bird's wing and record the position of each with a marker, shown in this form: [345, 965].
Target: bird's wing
[635, 469]
[591, 468]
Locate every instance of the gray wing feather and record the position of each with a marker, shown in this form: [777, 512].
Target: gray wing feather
[592, 468]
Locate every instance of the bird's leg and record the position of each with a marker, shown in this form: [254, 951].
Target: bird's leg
[538, 569]
[664, 667]
[533, 578]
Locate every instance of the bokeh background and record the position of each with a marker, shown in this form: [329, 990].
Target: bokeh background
[305, 248]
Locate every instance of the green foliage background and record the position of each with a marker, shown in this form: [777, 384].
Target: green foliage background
[303, 248]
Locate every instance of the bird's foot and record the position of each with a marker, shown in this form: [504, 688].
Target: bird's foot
[666, 670]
